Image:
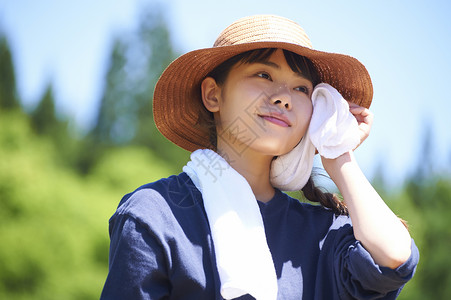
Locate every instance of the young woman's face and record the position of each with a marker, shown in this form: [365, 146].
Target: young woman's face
[264, 106]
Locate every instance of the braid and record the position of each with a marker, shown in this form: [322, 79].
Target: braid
[328, 200]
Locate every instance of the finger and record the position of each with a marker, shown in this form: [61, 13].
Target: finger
[368, 116]
[352, 104]
[357, 110]
[359, 113]
[362, 114]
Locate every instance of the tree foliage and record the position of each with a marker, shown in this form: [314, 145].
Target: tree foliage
[53, 222]
[125, 114]
[115, 121]
[44, 118]
[8, 95]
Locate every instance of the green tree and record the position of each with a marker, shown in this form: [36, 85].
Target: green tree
[47, 123]
[136, 62]
[53, 219]
[54, 222]
[425, 201]
[8, 93]
[155, 44]
[125, 113]
[43, 117]
[115, 116]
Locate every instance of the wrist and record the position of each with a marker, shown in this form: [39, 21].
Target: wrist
[334, 163]
[341, 167]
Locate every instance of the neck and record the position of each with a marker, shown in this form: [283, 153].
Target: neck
[254, 167]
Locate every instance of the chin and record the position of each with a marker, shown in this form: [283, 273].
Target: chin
[273, 147]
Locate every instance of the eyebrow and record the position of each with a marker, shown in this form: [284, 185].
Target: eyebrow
[276, 66]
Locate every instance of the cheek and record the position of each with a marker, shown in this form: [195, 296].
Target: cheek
[309, 111]
[242, 97]
[305, 111]
[304, 115]
[249, 94]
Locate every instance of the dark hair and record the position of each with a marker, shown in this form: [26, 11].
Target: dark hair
[332, 201]
[298, 64]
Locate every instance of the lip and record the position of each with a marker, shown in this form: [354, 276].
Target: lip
[276, 118]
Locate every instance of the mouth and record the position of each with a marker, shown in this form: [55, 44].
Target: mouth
[277, 119]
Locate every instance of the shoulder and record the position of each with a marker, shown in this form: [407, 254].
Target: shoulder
[159, 199]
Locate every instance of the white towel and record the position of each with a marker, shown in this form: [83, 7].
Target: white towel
[243, 258]
[290, 172]
[333, 130]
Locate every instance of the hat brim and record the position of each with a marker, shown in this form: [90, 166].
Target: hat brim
[177, 98]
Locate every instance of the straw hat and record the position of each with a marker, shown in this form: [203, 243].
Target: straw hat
[177, 99]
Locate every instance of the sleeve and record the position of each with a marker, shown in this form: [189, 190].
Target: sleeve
[137, 263]
[357, 276]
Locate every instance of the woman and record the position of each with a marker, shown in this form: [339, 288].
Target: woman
[253, 109]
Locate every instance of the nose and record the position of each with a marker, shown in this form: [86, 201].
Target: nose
[282, 99]
[282, 104]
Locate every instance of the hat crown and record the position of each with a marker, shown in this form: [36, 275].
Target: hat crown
[263, 28]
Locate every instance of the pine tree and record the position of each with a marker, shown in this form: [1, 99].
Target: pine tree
[137, 61]
[8, 93]
[154, 42]
[116, 112]
[43, 118]
[125, 115]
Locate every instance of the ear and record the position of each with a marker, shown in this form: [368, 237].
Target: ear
[210, 94]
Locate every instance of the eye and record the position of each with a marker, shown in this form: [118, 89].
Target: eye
[302, 89]
[264, 75]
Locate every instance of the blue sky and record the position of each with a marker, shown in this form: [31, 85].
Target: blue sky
[405, 45]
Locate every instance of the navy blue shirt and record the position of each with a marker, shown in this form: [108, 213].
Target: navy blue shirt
[161, 248]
